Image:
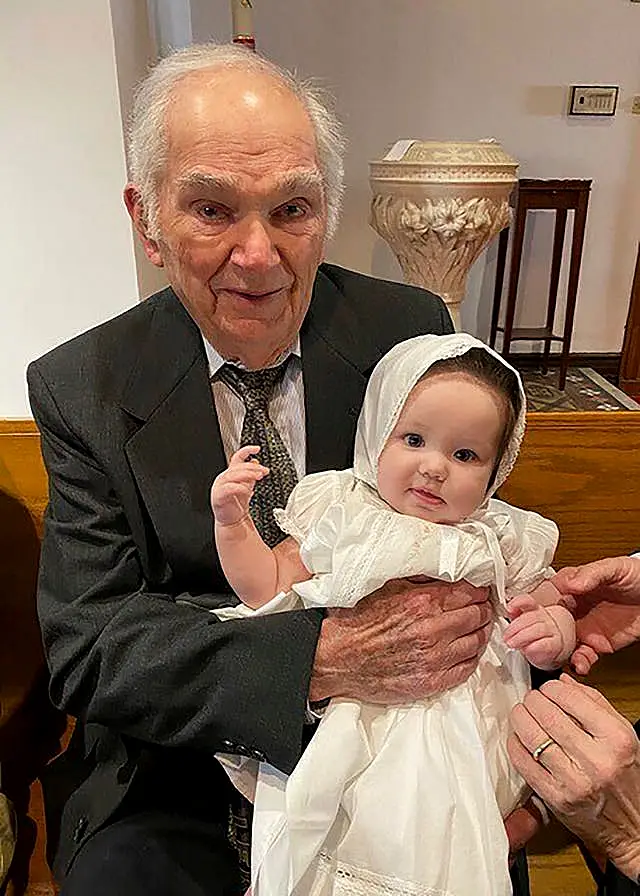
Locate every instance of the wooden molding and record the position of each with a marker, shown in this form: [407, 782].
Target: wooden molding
[607, 364]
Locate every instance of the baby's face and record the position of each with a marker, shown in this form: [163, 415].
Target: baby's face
[438, 460]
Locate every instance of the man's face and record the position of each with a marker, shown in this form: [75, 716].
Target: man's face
[242, 212]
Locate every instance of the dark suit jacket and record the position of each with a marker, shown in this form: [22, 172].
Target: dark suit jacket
[616, 884]
[131, 443]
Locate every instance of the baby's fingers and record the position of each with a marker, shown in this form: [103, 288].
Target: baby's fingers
[244, 454]
[522, 604]
[522, 622]
[251, 472]
[525, 630]
[238, 481]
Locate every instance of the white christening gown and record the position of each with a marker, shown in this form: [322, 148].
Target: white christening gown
[402, 799]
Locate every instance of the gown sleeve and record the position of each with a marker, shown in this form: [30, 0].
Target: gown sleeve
[527, 541]
[310, 498]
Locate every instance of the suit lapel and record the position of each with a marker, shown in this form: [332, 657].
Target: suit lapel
[177, 451]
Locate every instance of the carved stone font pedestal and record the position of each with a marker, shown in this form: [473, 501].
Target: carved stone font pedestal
[438, 205]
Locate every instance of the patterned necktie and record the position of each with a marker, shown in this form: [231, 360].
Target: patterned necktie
[255, 388]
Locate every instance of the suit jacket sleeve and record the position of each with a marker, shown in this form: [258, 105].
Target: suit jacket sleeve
[131, 658]
[616, 884]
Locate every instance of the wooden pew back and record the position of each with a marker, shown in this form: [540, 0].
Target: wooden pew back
[582, 470]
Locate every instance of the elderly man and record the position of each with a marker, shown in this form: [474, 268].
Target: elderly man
[236, 183]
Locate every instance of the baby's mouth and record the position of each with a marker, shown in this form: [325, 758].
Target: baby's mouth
[428, 497]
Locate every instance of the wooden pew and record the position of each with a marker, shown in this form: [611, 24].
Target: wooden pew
[582, 470]
[29, 727]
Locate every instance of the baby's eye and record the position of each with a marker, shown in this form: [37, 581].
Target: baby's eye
[465, 455]
[413, 440]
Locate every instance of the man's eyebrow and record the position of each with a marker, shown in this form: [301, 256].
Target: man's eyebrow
[199, 180]
[295, 181]
[289, 182]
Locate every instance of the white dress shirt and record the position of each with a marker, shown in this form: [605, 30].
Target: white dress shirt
[286, 408]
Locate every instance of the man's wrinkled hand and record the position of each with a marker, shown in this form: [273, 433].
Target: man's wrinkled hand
[405, 642]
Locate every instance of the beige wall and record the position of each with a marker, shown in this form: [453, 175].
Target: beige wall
[399, 68]
[65, 242]
[456, 69]
[135, 48]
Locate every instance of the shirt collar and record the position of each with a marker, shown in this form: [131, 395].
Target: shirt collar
[216, 361]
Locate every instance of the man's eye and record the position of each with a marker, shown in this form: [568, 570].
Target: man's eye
[465, 455]
[413, 440]
[211, 212]
[291, 210]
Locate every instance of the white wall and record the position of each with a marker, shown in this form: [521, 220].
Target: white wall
[137, 33]
[451, 69]
[399, 68]
[65, 241]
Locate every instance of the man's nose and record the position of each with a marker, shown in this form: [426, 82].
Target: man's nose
[254, 246]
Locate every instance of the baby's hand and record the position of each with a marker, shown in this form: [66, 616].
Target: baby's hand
[534, 631]
[232, 490]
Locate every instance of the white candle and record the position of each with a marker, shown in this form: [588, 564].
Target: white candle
[242, 18]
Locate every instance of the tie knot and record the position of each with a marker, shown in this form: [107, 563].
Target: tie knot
[255, 387]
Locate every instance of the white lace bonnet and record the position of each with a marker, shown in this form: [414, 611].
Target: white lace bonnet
[393, 378]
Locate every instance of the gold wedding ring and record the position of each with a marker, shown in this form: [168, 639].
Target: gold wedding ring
[537, 753]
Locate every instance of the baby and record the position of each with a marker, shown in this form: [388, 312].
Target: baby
[403, 799]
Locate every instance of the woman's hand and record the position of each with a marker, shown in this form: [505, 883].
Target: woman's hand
[604, 598]
[587, 769]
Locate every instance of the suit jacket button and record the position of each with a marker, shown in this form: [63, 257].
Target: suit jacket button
[228, 745]
[258, 754]
[80, 829]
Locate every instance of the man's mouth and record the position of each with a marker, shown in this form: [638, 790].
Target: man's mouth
[251, 295]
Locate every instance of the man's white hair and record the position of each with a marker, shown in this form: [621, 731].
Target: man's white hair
[147, 141]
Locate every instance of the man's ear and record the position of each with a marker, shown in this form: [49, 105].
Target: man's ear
[133, 202]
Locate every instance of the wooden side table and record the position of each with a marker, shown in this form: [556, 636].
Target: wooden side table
[630, 361]
[561, 196]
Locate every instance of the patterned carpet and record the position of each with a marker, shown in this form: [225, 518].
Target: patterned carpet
[585, 390]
